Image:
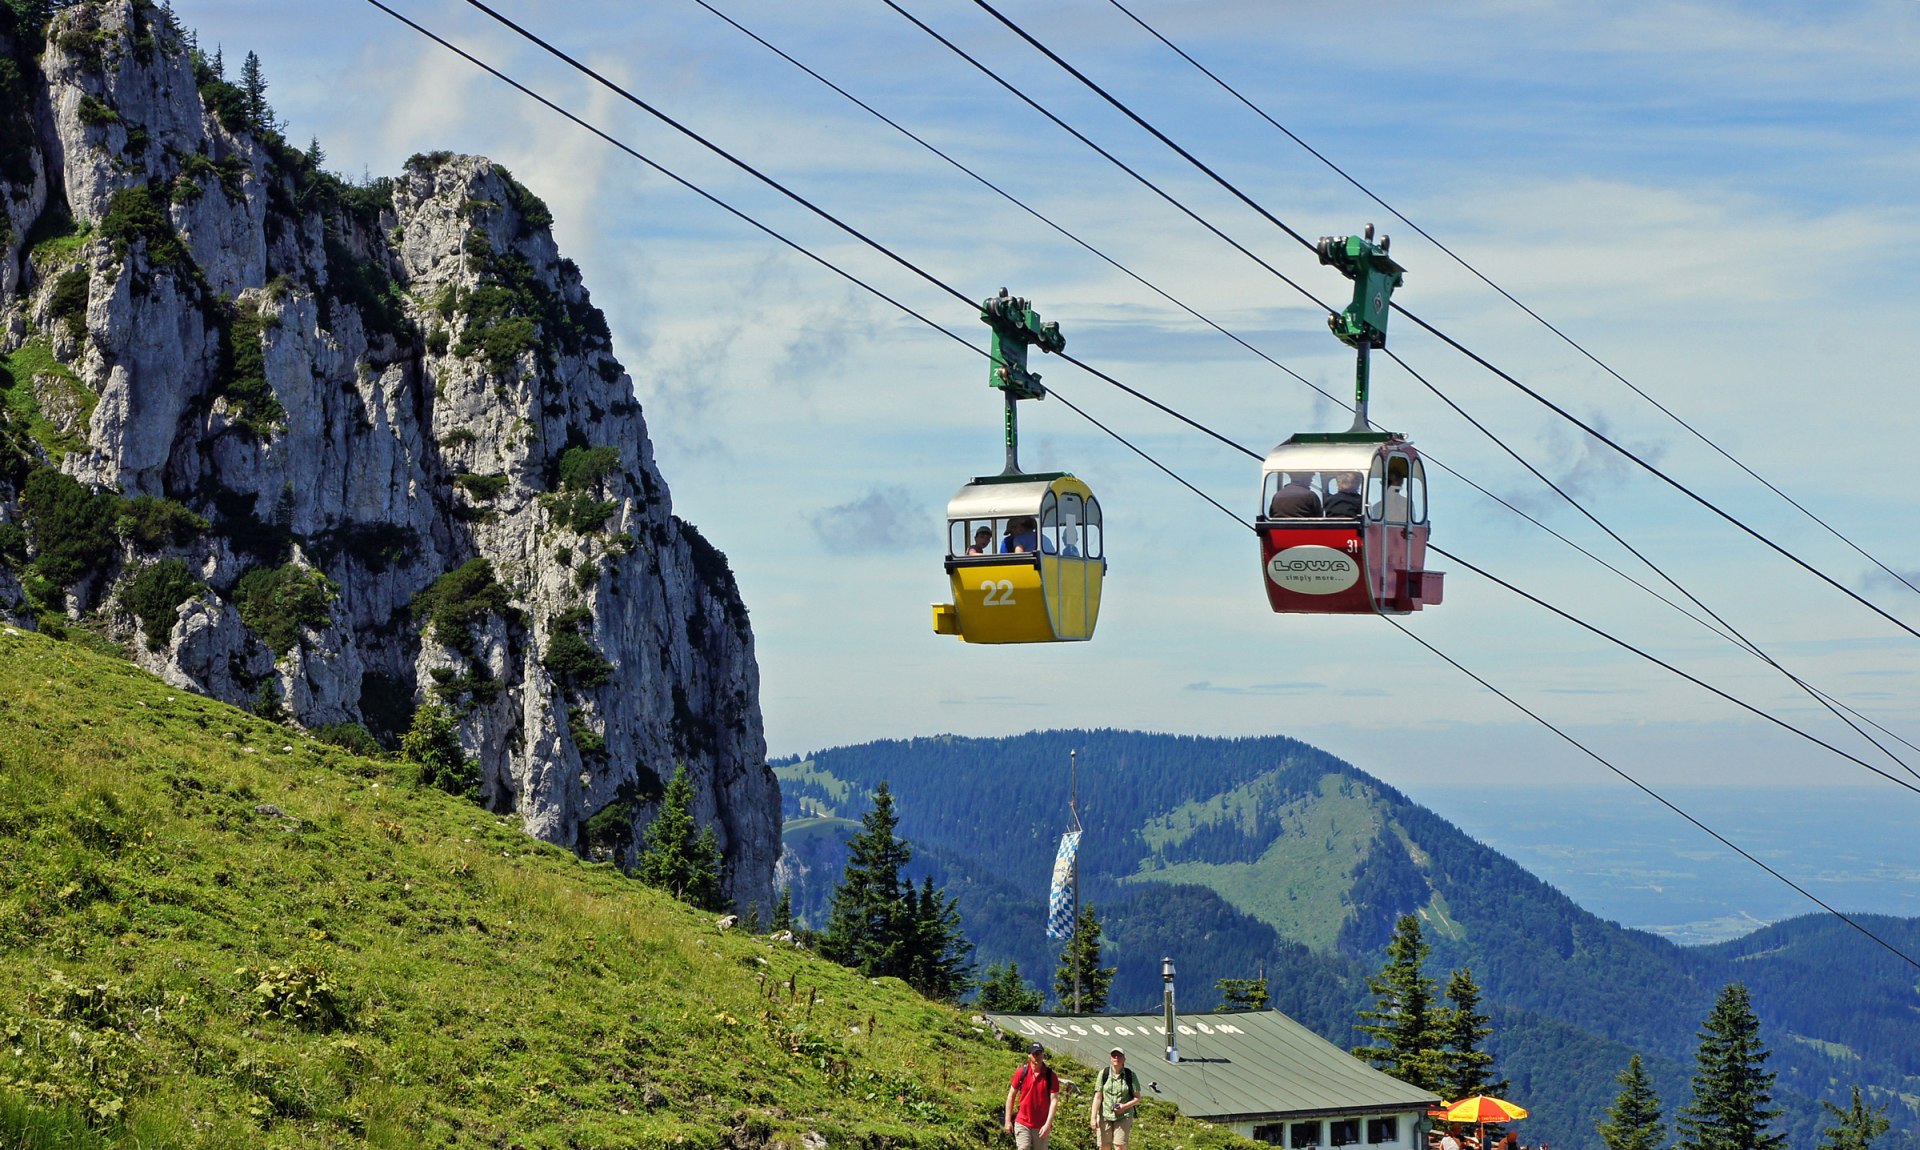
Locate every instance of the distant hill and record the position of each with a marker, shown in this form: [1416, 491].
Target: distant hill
[219, 932]
[1236, 854]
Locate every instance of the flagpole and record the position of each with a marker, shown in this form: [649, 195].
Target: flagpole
[1073, 808]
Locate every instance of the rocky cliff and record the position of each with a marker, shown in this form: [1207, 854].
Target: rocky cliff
[344, 451]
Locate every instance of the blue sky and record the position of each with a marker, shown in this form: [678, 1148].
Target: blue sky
[1715, 198]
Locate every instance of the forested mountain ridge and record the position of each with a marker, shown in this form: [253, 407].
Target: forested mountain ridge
[1231, 854]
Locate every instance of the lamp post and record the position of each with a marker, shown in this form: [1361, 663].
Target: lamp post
[1173, 1042]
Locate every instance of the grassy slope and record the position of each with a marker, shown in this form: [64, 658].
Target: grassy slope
[215, 933]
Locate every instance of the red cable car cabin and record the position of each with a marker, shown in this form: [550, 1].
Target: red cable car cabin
[1343, 526]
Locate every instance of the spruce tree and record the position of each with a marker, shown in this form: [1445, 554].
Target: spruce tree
[1458, 1030]
[868, 921]
[1401, 1021]
[783, 910]
[1242, 993]
[1633, 1121]
[253, 83]
[1859, 1125]
[1005, 992]
[678, 859]
[1095, 980]
[1731, 1085]
[939, 958]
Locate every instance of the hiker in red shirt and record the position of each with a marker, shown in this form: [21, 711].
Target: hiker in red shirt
[1031, 1100]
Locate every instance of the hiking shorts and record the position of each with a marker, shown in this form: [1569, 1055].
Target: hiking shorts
[1114, 1133]
[1028, 1138]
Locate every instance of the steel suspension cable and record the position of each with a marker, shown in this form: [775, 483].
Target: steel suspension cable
[1124, 442]
[1650, 469]
[1744, 642]
[524, 89]
[1226, 184]
[1656, 796]
[1508, 296]
[1068, 234]
[1015, 200]
[832, 219]
[990, 74]
[1734, 636]
[1157, 134]
[671, 175]
[1659, 662]
[717, 150]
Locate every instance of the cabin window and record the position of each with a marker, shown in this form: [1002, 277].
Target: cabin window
[1381, 1131]
[1343, 1131]
[978, 536]
[1273, 1133]
[1303, 1135]
[1417, 492]
[1387, 495]
[1050, 525]
[1313, 481]
[1072, 535]
[1095, 544]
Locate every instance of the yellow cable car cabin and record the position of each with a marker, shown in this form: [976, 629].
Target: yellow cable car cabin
[1026, 556]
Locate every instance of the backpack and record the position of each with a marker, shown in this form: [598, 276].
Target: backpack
[1020, 1079]
[1133, 1081]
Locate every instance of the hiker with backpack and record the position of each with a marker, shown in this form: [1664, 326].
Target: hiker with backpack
[1114, 1101]
[1031, 1100]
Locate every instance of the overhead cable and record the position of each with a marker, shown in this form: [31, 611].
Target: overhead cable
[1228, 185]
[1662, 663]
[1156, 189]
[837, 270]
[1016, 201]
[1650, 469]
[1655, 796]
[1504, 293]
[1718, 626]
[656, 166]
[524, 89]
[1729, 629]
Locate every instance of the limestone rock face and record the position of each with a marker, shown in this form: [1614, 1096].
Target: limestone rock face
[360, 450]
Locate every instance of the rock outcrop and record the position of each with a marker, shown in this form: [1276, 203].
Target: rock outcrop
[342, 452]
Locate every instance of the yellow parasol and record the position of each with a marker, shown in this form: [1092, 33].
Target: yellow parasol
[1480, 1110]
[1483, 1108]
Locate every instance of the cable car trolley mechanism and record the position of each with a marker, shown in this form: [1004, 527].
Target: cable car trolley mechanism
[1343, 515]
[1025, 551]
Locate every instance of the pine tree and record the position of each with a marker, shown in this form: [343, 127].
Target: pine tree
[253, 82]
[783, 910]
[678, 859]
[1859, 1125]
[1633, 1121]
[939, 958]
[316, 155]
[1005, 992]
[1731, 1087]
[1095, 980]
[867, 921]
[1242, 993]
[1458, 1030]
[1401, 1021]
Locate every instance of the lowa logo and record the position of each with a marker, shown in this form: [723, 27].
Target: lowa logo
[1313, 570]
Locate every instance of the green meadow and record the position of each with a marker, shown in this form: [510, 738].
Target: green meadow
[216, 931]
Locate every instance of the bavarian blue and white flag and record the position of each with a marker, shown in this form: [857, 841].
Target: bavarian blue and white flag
[1060, 898]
